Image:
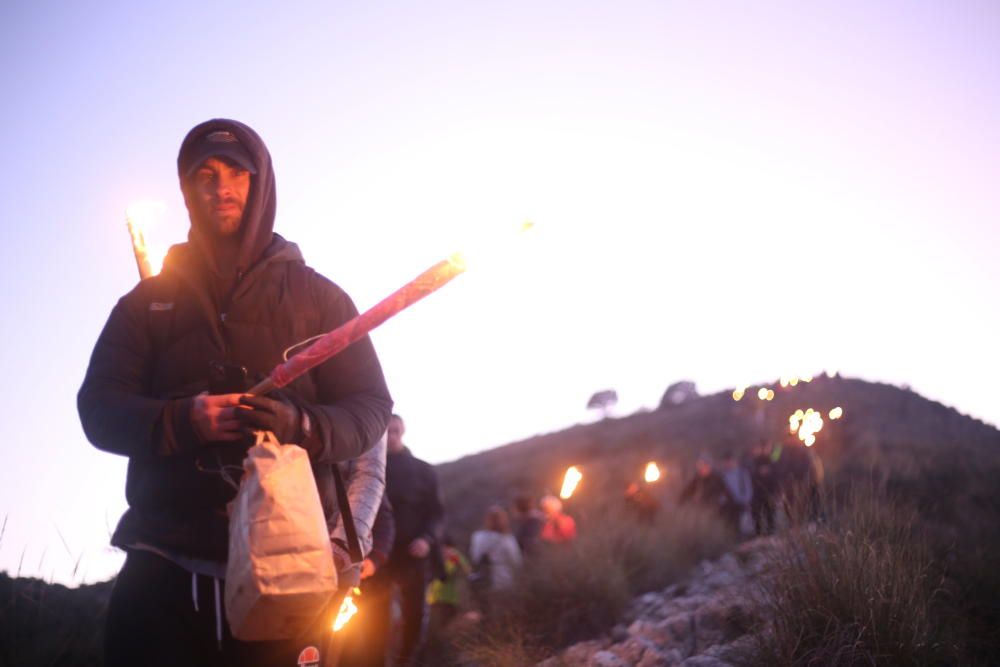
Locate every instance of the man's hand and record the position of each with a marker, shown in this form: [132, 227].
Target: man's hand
[258, 413]
[419, 548]
[214, 417]
[367, 568]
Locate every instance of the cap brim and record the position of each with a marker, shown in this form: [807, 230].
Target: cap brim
[230, 152]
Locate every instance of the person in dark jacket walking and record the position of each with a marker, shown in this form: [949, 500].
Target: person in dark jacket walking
[765, 488]
[235, 298]
[706, 489]
[412, 488]
[528, 522]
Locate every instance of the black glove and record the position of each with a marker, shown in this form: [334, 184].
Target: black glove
[266, 414]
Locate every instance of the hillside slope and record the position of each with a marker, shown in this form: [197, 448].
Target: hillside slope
[884, 428]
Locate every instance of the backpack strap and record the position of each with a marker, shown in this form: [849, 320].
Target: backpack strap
[304, 301]
[353, 544]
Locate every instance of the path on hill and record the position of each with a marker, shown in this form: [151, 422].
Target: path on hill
[699, 622]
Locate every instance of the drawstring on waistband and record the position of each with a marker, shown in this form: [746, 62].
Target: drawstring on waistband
[218, 604]
[218, 614]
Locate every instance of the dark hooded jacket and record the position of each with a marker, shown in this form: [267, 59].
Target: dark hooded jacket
[154, 353]
[412, 488]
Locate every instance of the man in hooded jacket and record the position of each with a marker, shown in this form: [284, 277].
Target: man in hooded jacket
[236, 296]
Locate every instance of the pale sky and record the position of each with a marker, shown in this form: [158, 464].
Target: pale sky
[724, 192]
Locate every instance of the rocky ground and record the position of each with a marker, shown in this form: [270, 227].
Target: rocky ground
[703, 621]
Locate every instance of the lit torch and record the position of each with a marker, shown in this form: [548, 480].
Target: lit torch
[652, 472]
[807, 424]
[337, 340]
[570, 480]
[139, 217]
[347, 609]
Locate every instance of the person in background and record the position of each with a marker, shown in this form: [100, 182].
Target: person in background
[495, 543]
[412, 488]
[795, 473]
[559, 528]
[706, 489]
[640, 500]
[739, 489]
[444, 595]
[444, 599]
[765, 487]
[528, 522]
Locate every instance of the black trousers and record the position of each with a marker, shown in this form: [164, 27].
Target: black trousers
[372, 639]
[161, 616]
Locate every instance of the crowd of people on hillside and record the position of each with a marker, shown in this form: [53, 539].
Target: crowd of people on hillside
[414, 580]
[746, 491]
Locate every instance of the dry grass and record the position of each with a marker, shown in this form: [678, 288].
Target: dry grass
[858, 590]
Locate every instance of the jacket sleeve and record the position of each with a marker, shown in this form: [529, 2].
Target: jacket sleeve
[383, 533]
[116, 414]
[353, 403]
[365, 488]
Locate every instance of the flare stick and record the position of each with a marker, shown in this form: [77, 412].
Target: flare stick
[340, 338]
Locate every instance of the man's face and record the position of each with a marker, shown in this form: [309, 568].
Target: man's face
[395, 435]
[220, 189]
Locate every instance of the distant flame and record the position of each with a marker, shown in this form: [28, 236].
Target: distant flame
[762, 393]
[347, 610]
[652, 472]
[837, 413]
[570, 480]
[738, 393]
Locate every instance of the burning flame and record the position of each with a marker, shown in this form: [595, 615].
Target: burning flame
[347, 610]
[738, 393]
[140, 217]
[837, 413]
[652, 472]
[807, 424]
[762, 393]
[570, 480]
[496, 248]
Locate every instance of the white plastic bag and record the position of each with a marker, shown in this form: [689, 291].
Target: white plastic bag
[280, 574]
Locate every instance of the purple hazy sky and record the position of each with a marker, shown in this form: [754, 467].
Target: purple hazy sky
[724, 192]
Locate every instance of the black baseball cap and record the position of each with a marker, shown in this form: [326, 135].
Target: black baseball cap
[220, 143]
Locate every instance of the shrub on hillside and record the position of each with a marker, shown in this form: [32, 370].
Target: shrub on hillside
[858, 590]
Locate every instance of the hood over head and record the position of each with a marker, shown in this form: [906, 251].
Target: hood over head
[257, 228]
